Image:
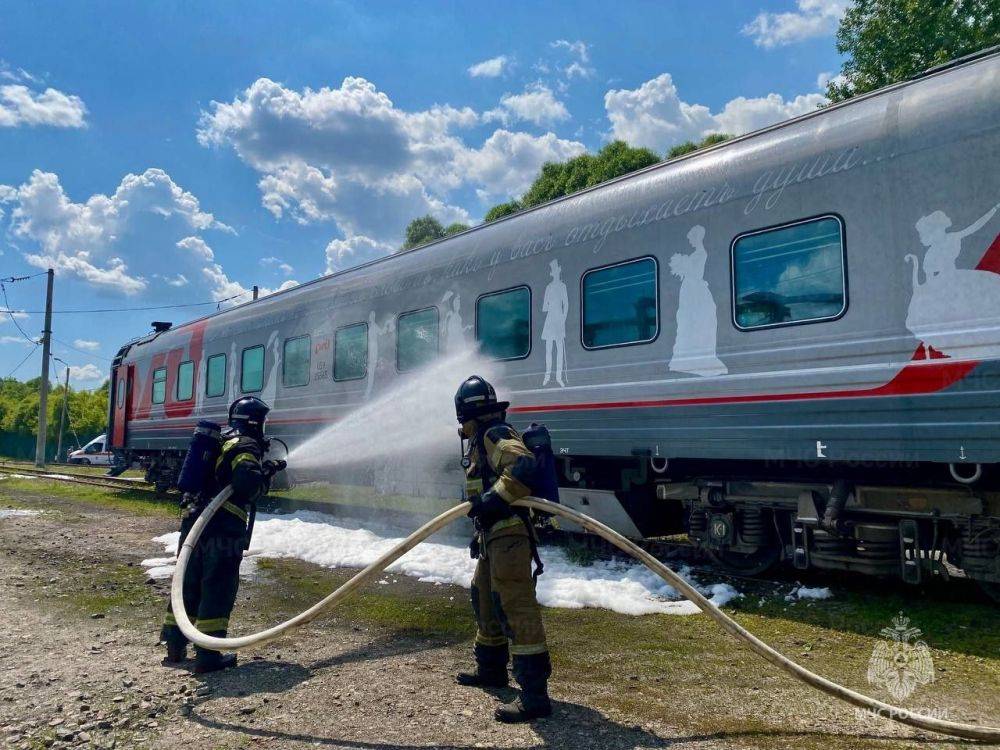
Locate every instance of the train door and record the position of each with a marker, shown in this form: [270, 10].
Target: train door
[123, 404]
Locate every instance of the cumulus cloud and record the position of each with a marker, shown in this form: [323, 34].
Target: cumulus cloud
[654, 115]
[285, 268]
[536, 104]
[147, 223]
[349, 156]
[87, 345]
[579, 53]
[16, 340]
[354, 251]
[491, 68]
[811, 19]
[86, 374]
[223, 288]
[22, 106]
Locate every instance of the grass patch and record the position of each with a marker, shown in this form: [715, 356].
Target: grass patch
[405, 607]
[112, 588]
[135, 502]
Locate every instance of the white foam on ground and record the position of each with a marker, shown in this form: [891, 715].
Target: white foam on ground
[18, 476]
[625, 587]
[809, 593]
[11, 512]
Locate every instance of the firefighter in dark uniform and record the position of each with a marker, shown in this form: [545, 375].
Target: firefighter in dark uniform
[498, 469]
[213, 572]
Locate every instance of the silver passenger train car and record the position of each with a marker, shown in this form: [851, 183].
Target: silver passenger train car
[787, 345]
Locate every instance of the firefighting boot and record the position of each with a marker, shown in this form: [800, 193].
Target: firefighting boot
[206, 661]
[176, 652]
[491, 668]
[532, 673]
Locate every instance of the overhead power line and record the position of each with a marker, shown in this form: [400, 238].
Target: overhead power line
[13, 318]
[127, 309]
[80, 351]
[26, 357]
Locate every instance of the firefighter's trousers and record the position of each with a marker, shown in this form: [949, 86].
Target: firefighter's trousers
[212, 577]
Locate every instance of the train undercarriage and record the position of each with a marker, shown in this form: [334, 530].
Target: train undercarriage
[820, 518]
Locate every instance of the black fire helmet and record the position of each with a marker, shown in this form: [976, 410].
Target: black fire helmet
[247, 415]
[476, 397]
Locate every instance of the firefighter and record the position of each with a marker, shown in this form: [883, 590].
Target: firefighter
[213, 572]
[499, 469]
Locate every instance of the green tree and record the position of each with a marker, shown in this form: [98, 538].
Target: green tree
[422, 230]
[501, 210]
[690, 146]
[890, 40]
[455, 228]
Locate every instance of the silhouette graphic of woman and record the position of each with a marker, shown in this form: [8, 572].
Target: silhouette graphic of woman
[555, 305]
[697, 317]
[954, 310]
[454, 331]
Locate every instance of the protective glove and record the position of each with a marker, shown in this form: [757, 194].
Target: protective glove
[487, 509]
[272, 467]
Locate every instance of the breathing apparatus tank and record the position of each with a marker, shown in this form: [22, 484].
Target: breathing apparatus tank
[198, 469]
[545, 480]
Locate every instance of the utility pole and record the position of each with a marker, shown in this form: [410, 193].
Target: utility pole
[62, 419]
[43, 387]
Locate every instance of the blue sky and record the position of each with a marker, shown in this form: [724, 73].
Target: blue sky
[165, 153]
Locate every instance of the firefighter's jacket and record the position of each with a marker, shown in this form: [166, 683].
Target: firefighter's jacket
[501, 462]
[239, 465]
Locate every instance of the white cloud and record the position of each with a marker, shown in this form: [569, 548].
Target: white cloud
[489, 68]
[198, 246]
[285, 268]
[103, 241]
[349, 156]
[508, 161]
[825, 79]
[20, 105]
[15, 340]
[222, 287]
[537, 104]
[354, 251]
[654, 115]
[579, 49]
[87, 345]
[813, 18]
[86, 374]
[580, 52]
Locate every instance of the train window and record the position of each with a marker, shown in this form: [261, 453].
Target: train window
[789, 274]
[252, 369]
[159, 385]
[121, 394]
[215, 375]
[416, 338]
[185, 381]
[350, 352]
[620, 304]
[295, 361]
[503, 323]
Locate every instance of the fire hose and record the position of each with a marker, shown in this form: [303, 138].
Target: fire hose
[901, 715]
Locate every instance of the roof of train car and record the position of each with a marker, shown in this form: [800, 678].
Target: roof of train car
[699, 154]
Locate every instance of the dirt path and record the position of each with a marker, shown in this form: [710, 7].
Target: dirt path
[79, 666]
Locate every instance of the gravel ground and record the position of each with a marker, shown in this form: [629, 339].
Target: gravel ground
[79, 667]
[78, 678]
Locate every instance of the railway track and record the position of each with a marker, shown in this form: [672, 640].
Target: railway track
[118, 483]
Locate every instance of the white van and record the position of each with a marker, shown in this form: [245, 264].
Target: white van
[92, 453]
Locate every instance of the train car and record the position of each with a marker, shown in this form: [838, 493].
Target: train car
[787, 345]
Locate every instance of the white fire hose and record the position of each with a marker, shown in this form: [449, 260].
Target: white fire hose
[953, 728]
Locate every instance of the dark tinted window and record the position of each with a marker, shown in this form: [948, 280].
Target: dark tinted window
[503, 323]
[350, 355]
[252, 369]
[416, 338]
[215, 377]
[791, 274]
[185, 381]
[159, 385]
[295, 361]
[619, 304]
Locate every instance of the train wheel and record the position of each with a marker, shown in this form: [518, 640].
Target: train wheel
[745, 564]
[992, 590]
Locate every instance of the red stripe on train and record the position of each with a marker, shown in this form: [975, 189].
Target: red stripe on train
[914, 379]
